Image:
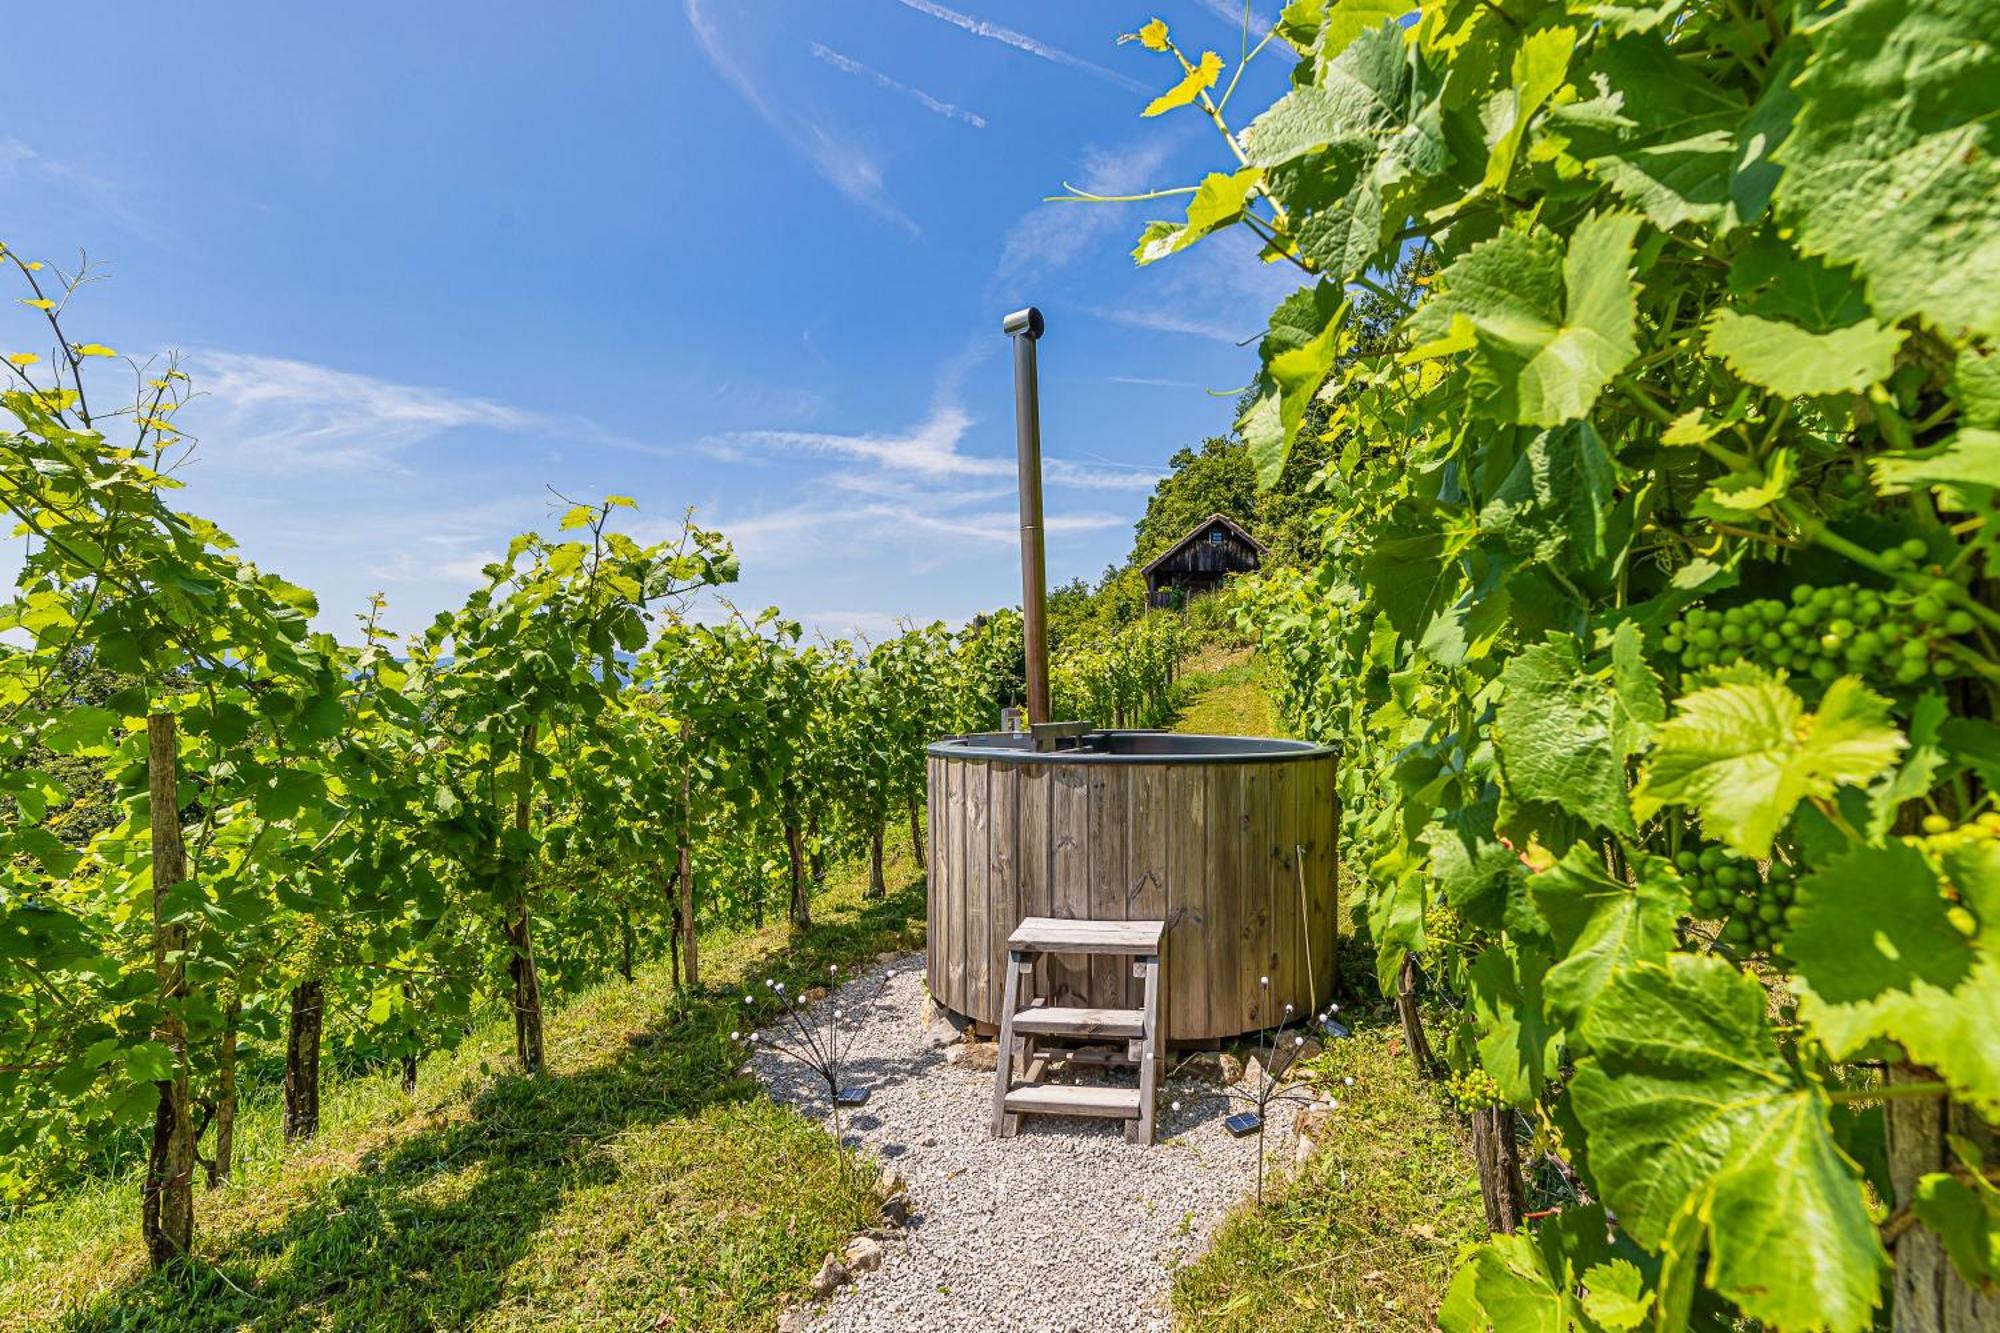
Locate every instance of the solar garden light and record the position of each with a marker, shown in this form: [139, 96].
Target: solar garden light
[1270, 1087]
[814, 1035]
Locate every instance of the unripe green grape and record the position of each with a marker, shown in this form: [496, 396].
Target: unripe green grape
[1958, 622]
[1927, 610]
[1944, 668]
[1824, 670]
[1686, 859]
[1728, 876]
[1706, 638]
[1710, 858]
[1768, 912]
[1794, 915]
[1735, 930]
[1744, 903]
[1914, 549]
[1671, 645]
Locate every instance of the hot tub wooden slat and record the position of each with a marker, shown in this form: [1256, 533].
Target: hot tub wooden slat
[1036, 897]
[1003, 885]
[1110, 809]
[1146, 860]
[948, 859]
[1069, 878]
[1187, 896]
[1206, 847]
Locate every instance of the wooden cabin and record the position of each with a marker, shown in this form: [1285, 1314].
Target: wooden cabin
[1202, 561]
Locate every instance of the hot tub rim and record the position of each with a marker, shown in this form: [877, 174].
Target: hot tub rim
[1281, 750]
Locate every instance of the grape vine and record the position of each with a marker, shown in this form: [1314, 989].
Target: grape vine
[1652, 350]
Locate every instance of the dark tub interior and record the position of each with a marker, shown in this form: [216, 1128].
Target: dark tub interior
[1128, 747]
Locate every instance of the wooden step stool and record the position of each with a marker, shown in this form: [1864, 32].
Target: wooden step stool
[1140, 1029]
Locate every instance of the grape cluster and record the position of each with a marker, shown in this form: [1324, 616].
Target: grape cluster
[1473, 1090]
[1443, 934]
[1940, 836]
[1885, 638]
[1755, 913]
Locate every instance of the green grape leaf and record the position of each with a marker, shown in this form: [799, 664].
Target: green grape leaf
[1518, 1042]
[1744, 754]
[1615, 1295]
[1967, 1219]
[1736, 494]
[1217, 203]
[1198, 80]
[1891, 163]
[1346, 21]
[1872, 933]
[1505, 1283]
[82, 729]
[1688, 1103]
[1549, 329]
[1410, 573]
[1971, 457]
[1556, 732]
[1637, 706]
[1540, 64]
[1527, 1282]
[1658, 131]
[1794, 363]
[1600, 925]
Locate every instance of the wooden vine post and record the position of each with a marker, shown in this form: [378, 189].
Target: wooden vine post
[167, 1201]
[1930, 1296]
[877, 886]
[223, 1162]
[302, 1038]
[917, 838]
[801, 913]
[1413, 1021]
[684, 879]
[520, 928]
[1498, 1155]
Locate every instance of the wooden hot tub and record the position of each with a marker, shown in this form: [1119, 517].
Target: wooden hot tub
[1206, 833]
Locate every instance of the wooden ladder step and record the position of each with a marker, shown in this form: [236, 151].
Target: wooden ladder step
[1055, 934]
[1054, 1099]
[1058, 1021]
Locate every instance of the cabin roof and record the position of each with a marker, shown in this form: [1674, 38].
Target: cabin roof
[1197, 530]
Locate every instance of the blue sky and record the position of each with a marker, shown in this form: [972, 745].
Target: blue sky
[429, 261]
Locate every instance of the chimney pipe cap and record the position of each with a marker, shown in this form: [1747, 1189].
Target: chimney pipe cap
[1028, 322]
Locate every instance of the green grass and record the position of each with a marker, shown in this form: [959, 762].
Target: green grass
[1222, 694]
[640, 1183]
[1366, 1234]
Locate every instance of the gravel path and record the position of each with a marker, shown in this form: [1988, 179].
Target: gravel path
[1065, 1226]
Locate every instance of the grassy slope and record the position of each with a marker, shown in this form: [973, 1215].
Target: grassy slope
[1365, 1235]
[640, 1184]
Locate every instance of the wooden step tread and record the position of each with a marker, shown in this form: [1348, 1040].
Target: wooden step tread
[1059, 1021]
[1052, 1099]
[1053, 934]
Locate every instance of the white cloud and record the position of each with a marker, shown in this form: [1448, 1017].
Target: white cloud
[293, 415]
[849, 65]
[929, 451]
[846, 167]
[1219, 289]
[18, 159]
[1052, 235]
[1020, 41]
[1231, 12]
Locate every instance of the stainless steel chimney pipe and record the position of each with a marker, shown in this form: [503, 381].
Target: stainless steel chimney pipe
[1025, 328]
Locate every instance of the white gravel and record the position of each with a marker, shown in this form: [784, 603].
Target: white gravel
[1065, 1226]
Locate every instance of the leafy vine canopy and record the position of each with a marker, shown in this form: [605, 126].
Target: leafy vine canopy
[1657, 619]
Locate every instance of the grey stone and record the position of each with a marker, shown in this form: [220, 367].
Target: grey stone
[864, 1254]
[832, 1275]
